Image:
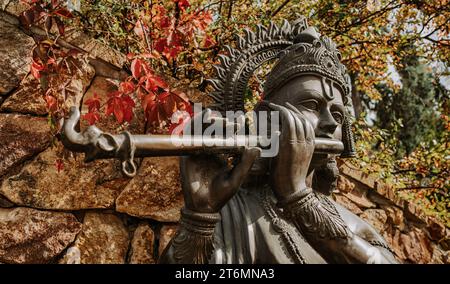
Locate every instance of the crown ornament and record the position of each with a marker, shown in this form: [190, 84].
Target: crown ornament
[251, 51]
[298, 50]
[310, 54]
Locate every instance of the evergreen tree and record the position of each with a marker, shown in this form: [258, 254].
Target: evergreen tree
[412, 113]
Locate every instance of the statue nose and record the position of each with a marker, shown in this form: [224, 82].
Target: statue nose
[327, 126]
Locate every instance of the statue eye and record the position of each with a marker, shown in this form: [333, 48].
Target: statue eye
[338, 117]
[310, 104]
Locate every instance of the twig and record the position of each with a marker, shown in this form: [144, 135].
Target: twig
[418, 187]
[145, 37]
[438, 41]
[230, 10]
[102, 67]
[280, 7]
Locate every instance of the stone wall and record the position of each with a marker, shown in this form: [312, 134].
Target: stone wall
[414, 237]
[91, 213]
[85, 213]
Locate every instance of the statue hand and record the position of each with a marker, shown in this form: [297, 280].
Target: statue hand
[207, 180]
[208, 183]
[296, 147]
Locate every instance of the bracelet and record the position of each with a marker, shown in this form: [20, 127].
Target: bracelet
[199, 223]
[201, 217]
[194, 240]
[295, 197]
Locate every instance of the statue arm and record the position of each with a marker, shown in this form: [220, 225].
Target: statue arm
[327, 229]
[366, 232]
[208, 184]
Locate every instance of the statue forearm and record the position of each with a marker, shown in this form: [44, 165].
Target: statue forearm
[194, 240]
[320, 222]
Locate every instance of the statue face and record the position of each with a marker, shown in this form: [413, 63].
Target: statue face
[325, 114]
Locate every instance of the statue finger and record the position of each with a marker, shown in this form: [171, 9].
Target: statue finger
[287, 121]
[300, 130]
[240, 171]
[308, 129]
[310, 133]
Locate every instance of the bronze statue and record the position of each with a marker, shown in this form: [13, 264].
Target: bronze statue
[264, 209]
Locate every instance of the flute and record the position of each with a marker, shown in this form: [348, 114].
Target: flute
[99, 145]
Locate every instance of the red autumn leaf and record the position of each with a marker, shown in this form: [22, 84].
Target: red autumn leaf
[141, 93]
[59, 164]
[36, 68]
[169, 103]
[51, 61]
[121, 106]
[173, 52]
[183, 4]
[202, 20]
[63, 13]
[175, 39]
[160, 45]
[154, 111]
[161, 108]
[55, 4]
[148, 55]
[91, 117]
[181, 95]
[136, 68]
[164, 22]
[93, 103]
[138, 28]
[148, 101]
[178, 122]
[155, 115]
[208, 42]
[126, 87]
[153, 82]
[52, 103]
[128, 107]
[146, 68]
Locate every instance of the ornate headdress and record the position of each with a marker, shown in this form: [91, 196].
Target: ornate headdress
[299, 50]
[310, 54]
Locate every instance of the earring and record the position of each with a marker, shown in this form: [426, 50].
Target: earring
[348, 139]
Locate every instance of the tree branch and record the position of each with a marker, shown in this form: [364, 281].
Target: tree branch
[442, 42]
[376, 13]
[230, 10]
[418, 187]
[280, 7]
